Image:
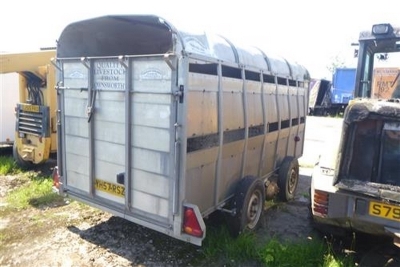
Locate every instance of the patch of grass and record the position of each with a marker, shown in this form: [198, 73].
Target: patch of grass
[37, 192]
[8, 166]
[220, 247]
[309, 253]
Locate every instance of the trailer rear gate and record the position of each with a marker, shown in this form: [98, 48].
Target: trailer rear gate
[99, 146]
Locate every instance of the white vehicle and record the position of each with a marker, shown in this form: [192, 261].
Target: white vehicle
[359, 190]
[9, 90]
[164, 127]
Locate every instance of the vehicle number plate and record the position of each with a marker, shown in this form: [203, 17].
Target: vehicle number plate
[114, 189]
[384, 210]
[30, 108]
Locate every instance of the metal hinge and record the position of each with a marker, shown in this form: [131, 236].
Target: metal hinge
[179, 93]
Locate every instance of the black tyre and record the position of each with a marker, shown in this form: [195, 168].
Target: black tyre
[18, 159]
[249, 204]
[288, 178]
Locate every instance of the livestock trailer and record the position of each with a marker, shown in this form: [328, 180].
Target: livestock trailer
[163, 127]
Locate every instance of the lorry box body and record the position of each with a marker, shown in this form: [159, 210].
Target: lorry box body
[9, 89]
[159, 126]
[343, 83]
[320, 99]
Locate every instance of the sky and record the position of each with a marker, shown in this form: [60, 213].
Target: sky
[313, 33]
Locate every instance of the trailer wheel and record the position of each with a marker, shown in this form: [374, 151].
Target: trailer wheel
[20, 162]
[249, 204]
[288, 178]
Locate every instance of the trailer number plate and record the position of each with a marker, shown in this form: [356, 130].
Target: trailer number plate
[30, 108]
[384, 210]
[114, 189]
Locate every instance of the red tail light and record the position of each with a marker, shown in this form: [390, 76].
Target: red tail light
[56, 178]
[191, 225]
[321, 201]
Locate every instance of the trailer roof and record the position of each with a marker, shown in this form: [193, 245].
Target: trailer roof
[117, 35]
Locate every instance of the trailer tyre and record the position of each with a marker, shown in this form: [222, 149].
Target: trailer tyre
[20, 162]
[288, 178]
[249, 204]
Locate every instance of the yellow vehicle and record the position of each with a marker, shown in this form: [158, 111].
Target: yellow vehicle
[35, 129]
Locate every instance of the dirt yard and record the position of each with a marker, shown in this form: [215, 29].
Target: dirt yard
[73, 234]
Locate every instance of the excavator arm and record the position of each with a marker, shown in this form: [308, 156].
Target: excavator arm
[34, 62]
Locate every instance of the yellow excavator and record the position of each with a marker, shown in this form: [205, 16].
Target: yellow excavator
[35, 129]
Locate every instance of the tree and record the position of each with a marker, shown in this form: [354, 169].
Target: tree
[337, 62]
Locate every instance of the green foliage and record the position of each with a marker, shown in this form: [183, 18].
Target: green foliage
[219, 247]
[337, 62]
[333, 259]
[36, 192]
[309, 253]
[8, 166]
[220, 244]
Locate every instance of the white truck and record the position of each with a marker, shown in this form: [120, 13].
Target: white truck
[164, 127]
[356, 186]
[9, 97]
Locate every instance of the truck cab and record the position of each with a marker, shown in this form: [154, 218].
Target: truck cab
[357, 186]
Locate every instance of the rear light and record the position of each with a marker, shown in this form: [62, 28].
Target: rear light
[321, 201]
[56, 178]
[191, 225]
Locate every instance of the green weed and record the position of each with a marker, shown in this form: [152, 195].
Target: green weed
[36, 192]
[219, 247]
[223, 248]
[8, 166]
[308, 253]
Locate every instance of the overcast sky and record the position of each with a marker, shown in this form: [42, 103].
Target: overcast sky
[310, 32]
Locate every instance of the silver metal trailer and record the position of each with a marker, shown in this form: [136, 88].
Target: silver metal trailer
[163, 127]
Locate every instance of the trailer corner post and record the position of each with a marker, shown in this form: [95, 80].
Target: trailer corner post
[126, 63]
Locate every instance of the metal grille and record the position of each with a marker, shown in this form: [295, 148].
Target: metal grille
[34, 123]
